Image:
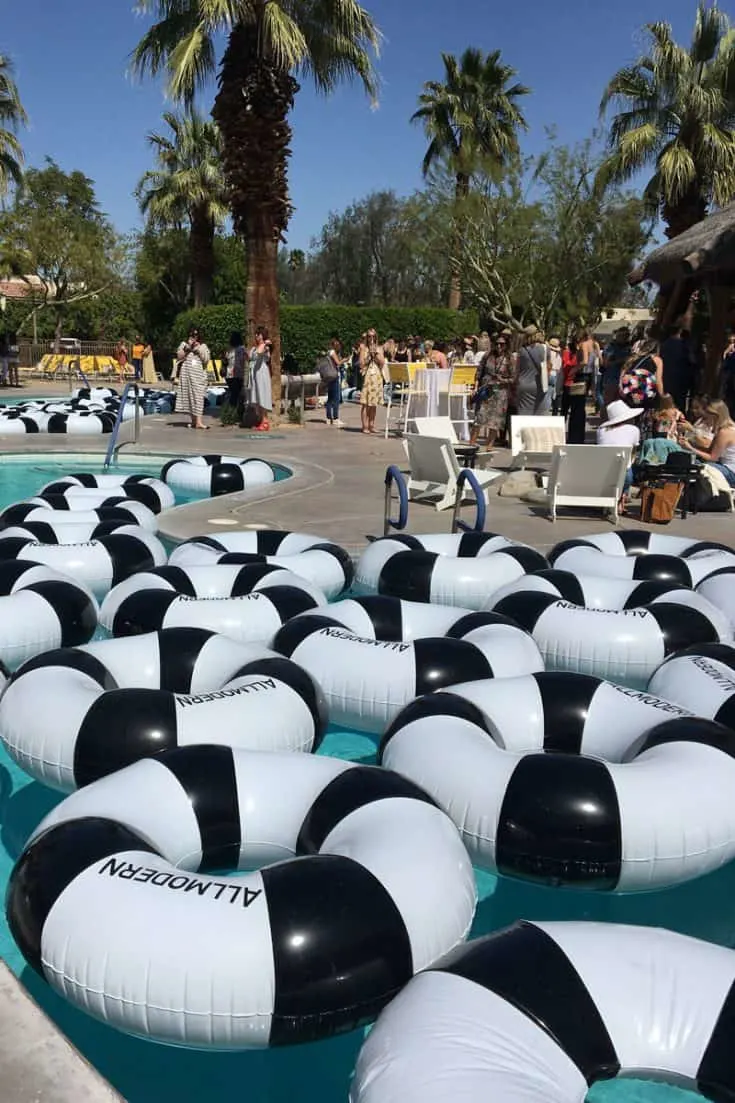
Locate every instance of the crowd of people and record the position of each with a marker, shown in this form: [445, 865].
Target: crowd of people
[140, 356]
[515, 373]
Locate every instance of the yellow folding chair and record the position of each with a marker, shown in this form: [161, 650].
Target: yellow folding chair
[398, 378]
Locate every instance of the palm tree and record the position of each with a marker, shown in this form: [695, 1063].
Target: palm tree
[471, 119]
[187, 189]
[269, 43]
[12, 117]
[677, 112]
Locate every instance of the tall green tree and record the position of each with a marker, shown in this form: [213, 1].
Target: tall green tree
[676, 115]
[380, 252]
[558, 259]
[55, 237]
[12, 117]
[187, 189]
[267, 46]
[471, 119]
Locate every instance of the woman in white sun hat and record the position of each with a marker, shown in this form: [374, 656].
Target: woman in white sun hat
[619, 431]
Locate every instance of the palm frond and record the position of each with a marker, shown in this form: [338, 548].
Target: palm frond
[677, 171]
[632, 84]
[709, 26]
[12, 112]
[341, 43]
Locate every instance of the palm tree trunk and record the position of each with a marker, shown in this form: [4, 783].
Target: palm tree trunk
[201, 244]
[262, 302]
[461, 191]
[252, 108]
[690, 210]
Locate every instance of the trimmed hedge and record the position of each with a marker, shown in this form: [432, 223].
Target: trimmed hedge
[306, 330]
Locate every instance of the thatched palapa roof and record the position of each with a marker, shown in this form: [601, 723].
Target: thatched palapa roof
[706, 248]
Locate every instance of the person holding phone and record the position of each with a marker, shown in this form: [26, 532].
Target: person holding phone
[192, 358]
[372, 361]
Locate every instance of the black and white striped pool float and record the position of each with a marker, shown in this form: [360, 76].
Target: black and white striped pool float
[624, 645]
[702, 679]
[81, 422]
[99, 563]
[142, 488]
[21, 424]
[367, 680]
[89, 501]
[250, 618]
[638, 542]
[449, 570]
[205, 583]
[215, 475]
[129, 513]
[120, 700]
[567, 780]
[539, 1012]
[326, 565]
[41, 608]
[719, 588]
[589, 591]
[389, 619]
[95, 393]
[584, 559]
[123, 901]
[74, 533]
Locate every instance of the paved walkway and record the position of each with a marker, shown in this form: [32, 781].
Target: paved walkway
[337, 489]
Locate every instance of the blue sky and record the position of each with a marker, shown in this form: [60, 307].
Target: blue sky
[71, 58]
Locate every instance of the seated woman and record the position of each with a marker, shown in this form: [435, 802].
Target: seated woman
[619, 432]
[701, 431]
[669, 421]
[721, 452]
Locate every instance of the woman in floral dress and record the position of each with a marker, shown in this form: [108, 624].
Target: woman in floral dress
[493, 381]
[372, 360]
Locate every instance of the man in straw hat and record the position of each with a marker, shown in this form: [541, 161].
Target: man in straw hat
[619, 431]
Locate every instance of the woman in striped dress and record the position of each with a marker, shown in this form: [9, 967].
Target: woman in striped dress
[193, 357]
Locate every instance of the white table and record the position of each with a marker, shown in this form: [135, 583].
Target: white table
[430, 397]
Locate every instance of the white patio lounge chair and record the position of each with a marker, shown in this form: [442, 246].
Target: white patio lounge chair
[435, 470]
[442, 427]
[587, 475]
[533, 439]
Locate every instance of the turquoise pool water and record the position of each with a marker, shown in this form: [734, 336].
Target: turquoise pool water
[17, 400]
[144, 1072]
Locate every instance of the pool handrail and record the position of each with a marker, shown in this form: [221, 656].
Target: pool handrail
[458, 525]
[132, 385]
[394, 475]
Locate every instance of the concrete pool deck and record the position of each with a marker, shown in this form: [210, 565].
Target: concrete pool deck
[337, 485]
[37, 1063]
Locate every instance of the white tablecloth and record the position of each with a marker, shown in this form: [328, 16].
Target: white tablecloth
[434, 399]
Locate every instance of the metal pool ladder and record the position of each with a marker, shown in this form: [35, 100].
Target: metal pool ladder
[113, 447]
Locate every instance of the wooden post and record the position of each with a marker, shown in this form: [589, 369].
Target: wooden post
[719, 297]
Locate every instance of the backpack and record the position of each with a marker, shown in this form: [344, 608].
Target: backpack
[327, 369]
[249, 418]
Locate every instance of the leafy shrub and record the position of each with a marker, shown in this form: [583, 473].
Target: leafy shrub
[306, 330]
[229, 415]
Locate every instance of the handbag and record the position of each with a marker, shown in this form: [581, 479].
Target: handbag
[577, 389]
[250, 417]
[659, 502]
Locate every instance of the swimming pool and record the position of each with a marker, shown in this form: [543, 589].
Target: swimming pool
[145, 1072]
